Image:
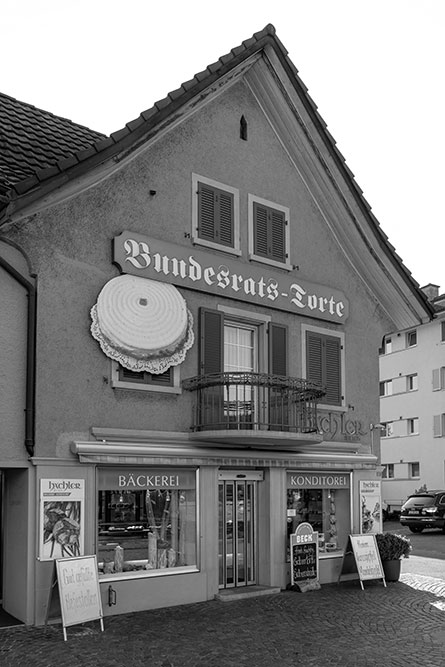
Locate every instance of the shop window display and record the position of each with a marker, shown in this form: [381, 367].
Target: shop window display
[148, 529]
[326, 510]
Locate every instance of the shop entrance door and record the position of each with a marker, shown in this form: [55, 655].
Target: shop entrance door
[237, 532]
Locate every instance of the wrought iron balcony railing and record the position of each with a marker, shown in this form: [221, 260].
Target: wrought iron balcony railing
[253, 401]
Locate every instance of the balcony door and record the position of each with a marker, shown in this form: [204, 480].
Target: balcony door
[237, 533]
[240, 355]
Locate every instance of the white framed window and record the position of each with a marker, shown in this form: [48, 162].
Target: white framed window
[414, 469]
[386, 388]
[215, 215]
[388, 471]
[442, 331]
[167, 382]
[268, 224]
[411, 338]
[439, 425]
[388, 429]
[438, 378]
[412, 382]
[154, 513]
[387, 345]
[413, 426]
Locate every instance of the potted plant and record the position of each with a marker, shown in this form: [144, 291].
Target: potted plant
[392, 548]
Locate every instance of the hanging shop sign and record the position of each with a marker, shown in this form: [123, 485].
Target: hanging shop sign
[62, 508]
[363, 558]
[143, 479]
[371, 506]
[304, 554]
[140, 255]
[318, 480]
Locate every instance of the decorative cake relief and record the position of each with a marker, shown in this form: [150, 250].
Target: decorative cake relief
[143, 324]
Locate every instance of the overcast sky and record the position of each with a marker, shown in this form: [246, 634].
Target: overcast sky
[374, 68]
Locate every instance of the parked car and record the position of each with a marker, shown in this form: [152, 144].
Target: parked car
[425, 509]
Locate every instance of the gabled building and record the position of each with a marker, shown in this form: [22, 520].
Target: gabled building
[412, 406]
[212, 290]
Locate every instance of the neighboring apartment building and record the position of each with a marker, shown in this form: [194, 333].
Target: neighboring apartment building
[212, 290]
[412, 407]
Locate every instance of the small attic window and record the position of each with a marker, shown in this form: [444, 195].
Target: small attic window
[243, 128]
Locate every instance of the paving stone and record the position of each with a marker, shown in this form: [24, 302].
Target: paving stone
[337, 626]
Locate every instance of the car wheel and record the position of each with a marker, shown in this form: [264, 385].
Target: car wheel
[416, 529]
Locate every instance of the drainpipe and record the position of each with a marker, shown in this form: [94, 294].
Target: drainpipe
[30, 356]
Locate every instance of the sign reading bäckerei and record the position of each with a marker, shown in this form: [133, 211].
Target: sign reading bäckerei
[143, 256]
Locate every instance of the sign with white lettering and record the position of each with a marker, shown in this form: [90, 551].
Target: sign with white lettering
[79, 590]
[304, 554]
[61, 518]
[139, 479]
[196, 269]
[362, 557]
[318, 480]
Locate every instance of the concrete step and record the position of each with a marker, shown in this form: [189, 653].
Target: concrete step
[243, 592]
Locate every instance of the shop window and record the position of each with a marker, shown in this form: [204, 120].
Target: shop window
[268, 232]
[411, 338]
[215, 214]
[412, 382]
[326, 509]
[324, 364]
[147, 521]
[123, 378]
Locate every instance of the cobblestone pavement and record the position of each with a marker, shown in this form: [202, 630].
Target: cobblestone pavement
[402, 625]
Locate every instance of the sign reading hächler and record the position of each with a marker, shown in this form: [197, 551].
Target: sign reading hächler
[143, 256]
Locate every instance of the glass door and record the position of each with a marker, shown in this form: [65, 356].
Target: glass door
[237, 533]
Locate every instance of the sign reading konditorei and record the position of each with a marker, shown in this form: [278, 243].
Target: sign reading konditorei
[79, 591]
[62, 503]
[143, 256]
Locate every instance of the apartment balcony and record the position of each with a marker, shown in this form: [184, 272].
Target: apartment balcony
[254, 409]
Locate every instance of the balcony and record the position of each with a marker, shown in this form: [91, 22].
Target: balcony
[254, 409]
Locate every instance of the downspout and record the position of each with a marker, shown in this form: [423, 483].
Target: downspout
[30, 356]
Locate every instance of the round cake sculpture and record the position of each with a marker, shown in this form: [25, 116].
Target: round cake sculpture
[143, 324]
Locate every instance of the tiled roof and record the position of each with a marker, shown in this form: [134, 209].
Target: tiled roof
[33, 139]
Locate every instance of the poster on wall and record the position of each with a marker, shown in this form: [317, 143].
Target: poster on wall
[370, 507]
[62, 504]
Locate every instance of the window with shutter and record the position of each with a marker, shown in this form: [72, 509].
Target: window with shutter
[438, 425]
[123, 378]
[268, 232]
[323, 364]
[215, 214]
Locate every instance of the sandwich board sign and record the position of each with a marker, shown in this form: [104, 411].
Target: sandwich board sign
[79, 592]
[362, 557]
[304, 555]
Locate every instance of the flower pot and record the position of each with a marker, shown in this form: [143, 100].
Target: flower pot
[391, 569]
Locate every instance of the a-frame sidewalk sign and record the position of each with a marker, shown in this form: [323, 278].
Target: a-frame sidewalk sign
[77, 583]
[363, 558]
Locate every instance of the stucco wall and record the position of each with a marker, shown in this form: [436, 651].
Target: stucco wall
[69, 246]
